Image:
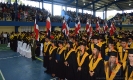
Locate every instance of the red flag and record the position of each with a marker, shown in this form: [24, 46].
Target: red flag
[87, 26]
[64, 26]
[48, 26]
[36, 30]
[97, 27]
[77, 27]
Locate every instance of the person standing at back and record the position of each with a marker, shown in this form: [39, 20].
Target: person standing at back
[33, 47]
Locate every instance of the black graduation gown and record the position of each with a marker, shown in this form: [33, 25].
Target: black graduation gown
[15, 43]
[37, 51]
[84, 73]
[52, 63]
[98, 71]
[46, 57]
[60, 65]
[128, 73]
[103, 47]
[70, 70]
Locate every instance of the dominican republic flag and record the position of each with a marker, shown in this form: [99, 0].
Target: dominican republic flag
[105, 27]
[89, 29]
[36, 28]
[112, 29]
[48, 26]
[97, 27]
[77, 26]
[65, 28]
[87, 26]
[113, 25]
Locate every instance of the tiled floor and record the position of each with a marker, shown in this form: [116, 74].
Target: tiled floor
[16, 67]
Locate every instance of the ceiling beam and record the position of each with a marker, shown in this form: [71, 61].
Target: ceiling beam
[91, 3]
[110, 4]
[69, 2]
[118, 6]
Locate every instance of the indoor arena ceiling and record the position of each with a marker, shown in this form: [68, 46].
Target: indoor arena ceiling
[99, 4]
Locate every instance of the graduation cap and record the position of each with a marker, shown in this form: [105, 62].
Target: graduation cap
[83, 43]
[123, 39]
[130, 37]
[110, 41]
[95, 37]
[130, 51]
[113, 53]
[71, 44]
[60, 42]
[97, 47]
[48, 37]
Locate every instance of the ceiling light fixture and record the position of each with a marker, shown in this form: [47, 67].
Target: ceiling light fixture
[129, 4]
[84, 3]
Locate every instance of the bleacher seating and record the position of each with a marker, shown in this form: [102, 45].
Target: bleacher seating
[124, 18]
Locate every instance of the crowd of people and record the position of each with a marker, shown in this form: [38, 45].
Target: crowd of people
[84, 17]
[101, 57]
[124, 18]
[4, 38]
[24, 13]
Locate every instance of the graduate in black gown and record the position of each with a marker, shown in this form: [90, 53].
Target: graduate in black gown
[37, 51]
[129, 65]
[113, 70]
[70, 62]
[52, 56]
[60, 61]
[96, 65]
[46, 47]
[15, 43]
[82, 63]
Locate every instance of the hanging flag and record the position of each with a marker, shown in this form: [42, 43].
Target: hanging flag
[67, 29]
[77, 26]
[111, 30]
[64, 26]
[36, 28]
[114, 28]
[97, 27]
[106, 26]
[87, 26]
[48, 26]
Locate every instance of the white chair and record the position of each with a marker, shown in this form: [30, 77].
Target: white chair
[8, 45]
[28, 52]
[20, 45]
[41, 53]
[23, 48]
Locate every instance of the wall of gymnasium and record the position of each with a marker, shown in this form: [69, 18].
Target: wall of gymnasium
[7, 29]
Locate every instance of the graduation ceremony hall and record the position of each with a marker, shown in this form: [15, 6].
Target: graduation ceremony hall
[66, 39]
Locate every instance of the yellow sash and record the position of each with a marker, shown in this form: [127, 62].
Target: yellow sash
[82, 60]
[122, 59]
[124, 64]
[114, 72]
[107, 50]
[92, 65]
[92, 46]
[131, 46]
[51, 50]
[62, 49]
[66, 56]
[126, 74]
[46, 46]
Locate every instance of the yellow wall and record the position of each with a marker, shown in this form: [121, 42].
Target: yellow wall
[7, 29]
